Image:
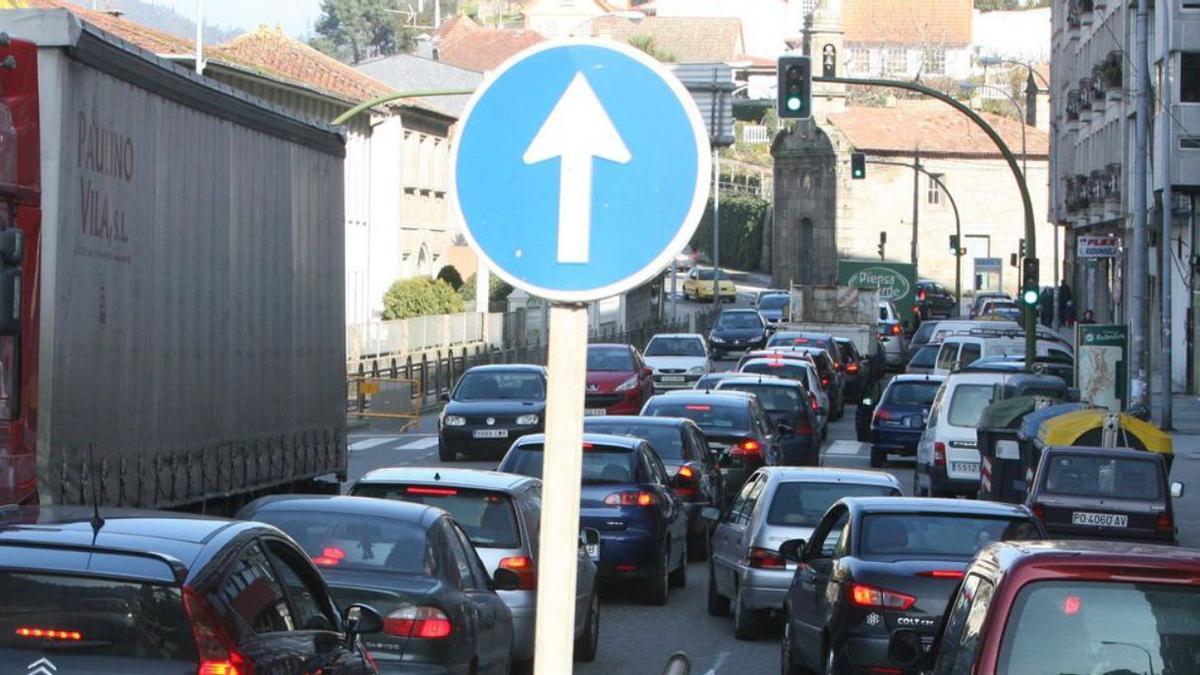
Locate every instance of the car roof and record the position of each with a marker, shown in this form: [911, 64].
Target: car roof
[982, 377]
[1119, 453]
[771, 359]
[802, 333]
[677, 335]
[468, 478]
[508, 367]
[649, 421]
[970, 507]
[603, 439]
[367, 506]
[739, 310]
[707, 396]
[797, 474]
[683, 393]
[765, 380]
[609, 345]
[918, 377]
[1093, 560]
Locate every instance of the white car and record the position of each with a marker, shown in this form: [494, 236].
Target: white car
[677, 359]
[960, 351]
[948, 454]
[895, 344]
[797, 367]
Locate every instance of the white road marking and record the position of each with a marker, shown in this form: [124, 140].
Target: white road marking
[845, 448]
[721, 659]
[371, 443]
[420, 444]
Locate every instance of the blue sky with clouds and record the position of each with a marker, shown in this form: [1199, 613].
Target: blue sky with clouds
[296, 17]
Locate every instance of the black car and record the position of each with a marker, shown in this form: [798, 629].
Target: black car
[681, 447]
[735, 426]
[490, 407]
[737, 330]
[1103, 493]
[416, 565]
[711, 380]
[856, 370]
[876, 564]
[789, 406]
[934, 299]
[156, 592]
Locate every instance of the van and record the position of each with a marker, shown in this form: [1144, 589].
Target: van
[959, 351]
[948, 454]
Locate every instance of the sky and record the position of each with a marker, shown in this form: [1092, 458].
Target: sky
[296, 17]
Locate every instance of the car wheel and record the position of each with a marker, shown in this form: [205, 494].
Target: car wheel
[747, 623]
[788, 666]
[589, 642]
[917, 490]
[678, 577]
[718, 605]
[879, 459]
[656, 589]
[445, 454]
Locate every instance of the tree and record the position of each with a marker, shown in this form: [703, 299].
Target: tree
[355, 30]
[498, 289]
[450, 275]
[420, 296]
[646, 43]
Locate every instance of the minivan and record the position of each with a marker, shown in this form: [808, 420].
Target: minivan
[948, 455]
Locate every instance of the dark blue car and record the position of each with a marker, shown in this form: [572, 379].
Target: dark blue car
[789, 405]
[899, 417]
[628, 497]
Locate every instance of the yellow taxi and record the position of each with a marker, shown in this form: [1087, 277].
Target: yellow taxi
[699, 285]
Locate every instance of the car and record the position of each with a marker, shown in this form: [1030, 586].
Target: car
[875, 564]
[996, 305]
[629, 498]
[983, 296]
[898, 419]
[833, 379]
[683, 450]
[737, 330]
[686, 259]
[1041, 608]
[699, 286]
[618, 380]
[801, 369]
[891, 334]
[792, 338]
[775, 307]
[677, 359]
[501, 515]
[776, 505]
[959, 351]
[856, 371]
[792, 409]
[489, 408]
[441, 609]
[782, 352]
[758, 297]
[923, 335]
[734, 424]
[710, 380]
[1104, 493]
[948, 452]
[935, 300]
[111, 590]
[923, 360]
[888, 311]
[1056, 365]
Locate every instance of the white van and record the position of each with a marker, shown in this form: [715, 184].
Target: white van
[947, 455]
[959, 351]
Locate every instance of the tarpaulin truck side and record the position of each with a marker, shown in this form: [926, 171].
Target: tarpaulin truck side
[180, 333]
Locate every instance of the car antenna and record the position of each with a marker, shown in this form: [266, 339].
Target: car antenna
[97, 519]
[437, 475]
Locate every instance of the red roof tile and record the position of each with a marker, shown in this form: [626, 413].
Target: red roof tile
[934, 23]
[934, 130]
[147, 38]
[694, 39]
[466, 44]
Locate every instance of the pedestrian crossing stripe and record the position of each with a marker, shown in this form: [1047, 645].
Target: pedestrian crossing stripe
[845, 448]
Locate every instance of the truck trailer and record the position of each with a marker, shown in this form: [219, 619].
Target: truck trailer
[171, 280]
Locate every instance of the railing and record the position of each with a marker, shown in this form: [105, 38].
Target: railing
[408, 336]
[756, 134]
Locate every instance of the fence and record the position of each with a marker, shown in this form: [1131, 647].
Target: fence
[385, 338]
[756, 134]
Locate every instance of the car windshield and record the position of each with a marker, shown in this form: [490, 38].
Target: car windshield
[609, 359]
[354, 541]
[967, 403]
[802, 504]
[601, 463]
[785, 339]
[1110, 627]
[925, 332]
[100, 617]
[704, 274]
[789, 370]
[675, 346]
[666, 440]
[916, 534]
[711, 417]
[1103, 477]
[500, 386]
[925, 357]
[739, 321]
[774, 399]
[911, 393]
[774, 302]
[487, 517]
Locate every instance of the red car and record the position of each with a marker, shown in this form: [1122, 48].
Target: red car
[1041, 608]
[618, 381]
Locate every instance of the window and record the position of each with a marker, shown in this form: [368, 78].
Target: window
[969, 354]
[739, 502]
[460, 557]
[488, 517]
[666, 440]
[934, 61]
[1189, 76]
[860, 60]
[964, 625]
[969, 401]
[304, 593]
[351, 541]
[895, 61]
[1103, 477]
[802, 504]
[255, 595]
[935, 189]
[751, 501]
[914, 535]
[832, 539]
[946, 357]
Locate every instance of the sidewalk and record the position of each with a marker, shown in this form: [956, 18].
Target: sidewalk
[1185, 416]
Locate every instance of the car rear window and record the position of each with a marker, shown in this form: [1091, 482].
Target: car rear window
[789, 339]
[911, 393]
[500, 386]
[667, 441]
[967, 404]
[774, 399]
[774, 302]
[1117, 478]
[487, 517]
[675, 346]
[351, 541]
[601, 463]
[1102, 627]
[708, 416]
[960, 536]
[925, 357]
[925, 331]
[609, 359]
[803, 504]
[788, 371]
[93, 617]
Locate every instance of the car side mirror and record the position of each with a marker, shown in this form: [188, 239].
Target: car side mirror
[360, 619]
[792, 550]
[505, 580]
[445, 398]
[784, 429]
[589, 537]
[710, 513]
[868, 403]
[906, 649]
[1176, 490]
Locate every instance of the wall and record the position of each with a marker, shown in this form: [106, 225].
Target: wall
[803, 248]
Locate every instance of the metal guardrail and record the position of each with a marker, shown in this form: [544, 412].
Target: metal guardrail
[420, 333]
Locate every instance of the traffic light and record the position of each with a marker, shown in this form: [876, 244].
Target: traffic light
[858, 165]
[882, 243]
[954, 245]
[1030, 290]
[1021, 249]
[795, 87]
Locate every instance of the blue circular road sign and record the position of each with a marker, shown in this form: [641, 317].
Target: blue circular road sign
[581, 169]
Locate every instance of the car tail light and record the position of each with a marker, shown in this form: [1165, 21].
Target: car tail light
[331, 556]
[216, 649]
[48, 633]
[701, 408]
[939, 453]
[852, 368]
[633, 498]
[1165, 523]
[427, 623]
[765, 559]
[824, 381]
[896, 329]
[523, 566]
[1039, 511]
[685, 482]
[921, 296]
[862, 595]
[751, 449]
[837, 366]
[942, 574]
[812, 401]
[431, 491]
[882, 414]
[1072, 604]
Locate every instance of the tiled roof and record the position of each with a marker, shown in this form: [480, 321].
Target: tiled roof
[935, 130]
[687, 38]
[464, 43]
[933, 23]
[408, 72]
[147, 38]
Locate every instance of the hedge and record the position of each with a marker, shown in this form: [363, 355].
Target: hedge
[498, 289]
[420, 296]
[742, 221]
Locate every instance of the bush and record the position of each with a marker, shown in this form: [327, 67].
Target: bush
[497, 292]
[420, 296]
[451, 276]
[742, 221]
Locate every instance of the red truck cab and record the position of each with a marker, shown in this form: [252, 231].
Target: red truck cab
[1039, 608]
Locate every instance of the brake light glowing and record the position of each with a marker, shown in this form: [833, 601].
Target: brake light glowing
[702, 408]
[219, 668]
[523, 566]
[1165, 523]
[1039, 511]
[896, 329]
[824, 381]
[431, 491]
[921, 296]
[776, 364]
[939, 453]
[852, 368]
[1071, 605]
[765, 559]
[330, 557]
[863, 595]
[942, 574]
[631, 499]
[812, 401]
[747, 449]
[215, 648]
[49, 634]
[686, 472]
[882, 414]
[427, 623]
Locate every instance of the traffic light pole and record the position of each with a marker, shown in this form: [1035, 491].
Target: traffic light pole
[1009, 158]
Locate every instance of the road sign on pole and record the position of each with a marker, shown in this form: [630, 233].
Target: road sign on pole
[581, 170]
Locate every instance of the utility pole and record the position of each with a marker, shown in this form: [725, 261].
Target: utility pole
[716, 226]
[1137, 266]
[916, 203]
[200, 37]
[1168, 208]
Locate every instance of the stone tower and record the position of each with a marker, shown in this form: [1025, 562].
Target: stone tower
[822, 38]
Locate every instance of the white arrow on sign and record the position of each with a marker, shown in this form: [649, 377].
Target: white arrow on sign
[577, 130]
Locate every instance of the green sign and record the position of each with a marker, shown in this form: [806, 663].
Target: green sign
[896, 281]
[1102, 364]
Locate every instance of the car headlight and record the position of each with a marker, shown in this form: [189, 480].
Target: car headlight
[527, 420]
[454, 421]
[697, 370]
[714, 338]
[628, 384]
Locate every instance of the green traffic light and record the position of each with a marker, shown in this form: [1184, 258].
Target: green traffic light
[793, 103]
[1030, 297]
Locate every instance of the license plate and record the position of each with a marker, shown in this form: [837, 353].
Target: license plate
[912, 421]
[672, 378]
[964, 467]
[491, 433]
[1099, 519]
[593, 551]
[595, 412]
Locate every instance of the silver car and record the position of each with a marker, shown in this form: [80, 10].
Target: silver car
[777, 504]
[501, 514]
